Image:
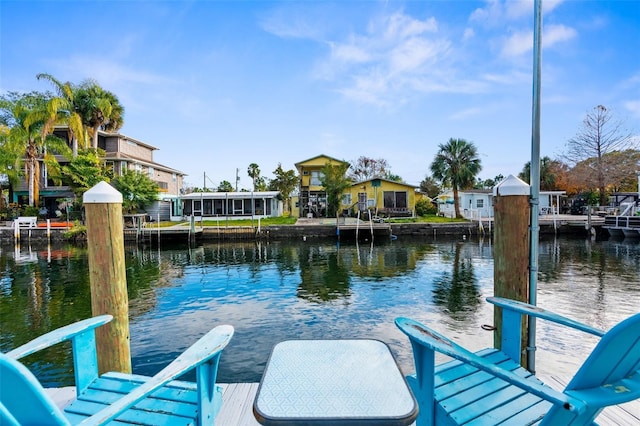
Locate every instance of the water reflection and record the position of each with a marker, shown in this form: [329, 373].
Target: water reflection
[456, 291]
[288, 290]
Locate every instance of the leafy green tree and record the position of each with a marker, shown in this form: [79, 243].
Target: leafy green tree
[99, 109]
[430, 187]
[285, 182]
[456, 165]
[391, 176]
[335, 182]
[137, 190]
[85, 171]
[225, 186]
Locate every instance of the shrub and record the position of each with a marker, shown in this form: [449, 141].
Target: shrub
[425, 207]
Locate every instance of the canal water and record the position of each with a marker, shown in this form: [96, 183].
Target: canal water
[273, 291]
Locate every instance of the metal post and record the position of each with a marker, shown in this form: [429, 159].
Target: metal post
[535, 182]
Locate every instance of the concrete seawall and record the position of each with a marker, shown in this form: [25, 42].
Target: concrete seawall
[308, 231]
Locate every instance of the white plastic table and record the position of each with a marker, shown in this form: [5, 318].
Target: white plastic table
[333, 382]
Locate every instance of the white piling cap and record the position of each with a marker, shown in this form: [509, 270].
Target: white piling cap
[511, 186]
[102, 193]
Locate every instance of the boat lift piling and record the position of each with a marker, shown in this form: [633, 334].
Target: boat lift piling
[107, 275]
[511, 250]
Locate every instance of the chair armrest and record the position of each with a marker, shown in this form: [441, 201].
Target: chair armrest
[625, 390]
[207, 349]
[59, 335]
[436, 342]
[535, 311]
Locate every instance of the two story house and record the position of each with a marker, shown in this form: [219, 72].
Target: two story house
[312, 198]
[121, 153]
[382, 196]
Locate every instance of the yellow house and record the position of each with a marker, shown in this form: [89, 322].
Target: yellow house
[312, 198]
[384, 197]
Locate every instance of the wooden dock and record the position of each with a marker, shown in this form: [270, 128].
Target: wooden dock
[237, 408]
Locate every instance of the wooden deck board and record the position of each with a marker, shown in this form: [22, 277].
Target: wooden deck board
[237, 406]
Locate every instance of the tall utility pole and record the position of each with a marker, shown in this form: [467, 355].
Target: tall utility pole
[237, 179]
[204, 182]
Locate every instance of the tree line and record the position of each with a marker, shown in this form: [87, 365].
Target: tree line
[601, 158]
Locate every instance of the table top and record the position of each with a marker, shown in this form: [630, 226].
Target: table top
[336, 382]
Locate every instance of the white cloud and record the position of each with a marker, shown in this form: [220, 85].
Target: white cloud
[400, 26]
[522, 42]
[517, 44]
[413, 53]
[553, 34]
[469, 33]
[633, 107]
[291, 23]
[350, 53]
[498, 12]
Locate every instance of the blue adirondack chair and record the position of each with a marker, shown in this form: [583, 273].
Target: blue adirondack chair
[489, 387]
[126, 398]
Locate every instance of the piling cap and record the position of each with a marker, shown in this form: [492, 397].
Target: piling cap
[102, 193]
[511, 186]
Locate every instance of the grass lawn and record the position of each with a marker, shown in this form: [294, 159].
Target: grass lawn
[292, 220]
[426, 219]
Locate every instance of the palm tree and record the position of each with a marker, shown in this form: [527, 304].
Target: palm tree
[99, 109]
[547, 173]
[30, 115]
[456, 165]
[10, 155]
[254, 173]
[62, 110]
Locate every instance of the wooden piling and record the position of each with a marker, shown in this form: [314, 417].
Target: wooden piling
[107, 275]
[511, 250]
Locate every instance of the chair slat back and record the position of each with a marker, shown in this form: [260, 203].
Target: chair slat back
[615, 357]
[23, 398]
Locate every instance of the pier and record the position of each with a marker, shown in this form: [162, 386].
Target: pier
[237, 406]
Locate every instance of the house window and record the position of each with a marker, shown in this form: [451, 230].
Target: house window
[315, 178]
[150, 171]
[139, 168]
[123, 167]
[174, 177]
[480, 204]
[346, 199]
[395, 199]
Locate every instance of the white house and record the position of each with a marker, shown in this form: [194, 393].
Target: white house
[232, 205]
[477, 204]
[474, 204]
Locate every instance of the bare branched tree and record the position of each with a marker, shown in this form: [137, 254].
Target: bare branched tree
[600, 135]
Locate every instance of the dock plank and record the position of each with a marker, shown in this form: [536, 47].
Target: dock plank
[237, 406]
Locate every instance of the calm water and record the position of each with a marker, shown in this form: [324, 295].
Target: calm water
[314, 290]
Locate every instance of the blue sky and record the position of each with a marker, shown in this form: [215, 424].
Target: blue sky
[219, 85]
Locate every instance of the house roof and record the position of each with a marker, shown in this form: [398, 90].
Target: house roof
[230, 195]
[298, 164]
[128, 138]
[384, 180]
[119, 156]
